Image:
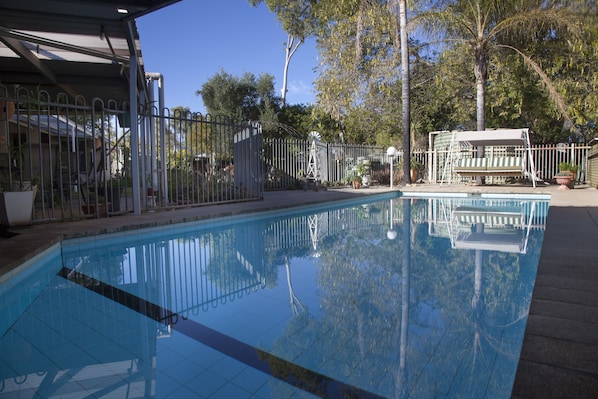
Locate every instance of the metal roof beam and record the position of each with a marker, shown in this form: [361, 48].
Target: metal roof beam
[6, 34]
[26, 54]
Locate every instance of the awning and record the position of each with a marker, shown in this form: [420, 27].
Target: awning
[513, 242]
[492, 137]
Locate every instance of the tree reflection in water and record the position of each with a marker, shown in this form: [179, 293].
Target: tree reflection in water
[413, 316]
[373, 295]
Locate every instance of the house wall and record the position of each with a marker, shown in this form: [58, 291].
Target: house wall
[34, 150]
[593, 166]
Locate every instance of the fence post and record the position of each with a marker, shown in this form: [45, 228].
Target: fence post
[431, 162]
[135, 164]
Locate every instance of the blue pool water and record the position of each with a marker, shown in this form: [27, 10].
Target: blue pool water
[388, 297]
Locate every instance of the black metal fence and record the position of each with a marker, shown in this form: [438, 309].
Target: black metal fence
[75, 160]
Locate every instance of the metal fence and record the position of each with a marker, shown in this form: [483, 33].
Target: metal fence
[200, 154]
[287, 162]
[546, 160]
[74, 160]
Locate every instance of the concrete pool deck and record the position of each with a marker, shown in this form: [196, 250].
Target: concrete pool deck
[559, 358]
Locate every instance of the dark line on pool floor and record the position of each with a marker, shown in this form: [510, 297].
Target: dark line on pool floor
[293, 374]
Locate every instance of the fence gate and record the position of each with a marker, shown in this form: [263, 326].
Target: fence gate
[248, 155]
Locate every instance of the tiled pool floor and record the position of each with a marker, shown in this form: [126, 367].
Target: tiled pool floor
[95, 348]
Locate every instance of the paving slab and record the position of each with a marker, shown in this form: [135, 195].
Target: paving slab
[560, 348]
[553, 382]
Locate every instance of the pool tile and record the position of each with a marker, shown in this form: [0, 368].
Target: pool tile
[205, 357]
[67, 356]
[228, 368]
[167, 359]
[165, 385]
[311, 359]
[229, 391]
[94, 380]
[185, 392]
[207, 383]
[299, 394]
[183, 371]
[250, 380]
[274, 389]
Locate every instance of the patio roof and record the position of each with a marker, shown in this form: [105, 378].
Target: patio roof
[81, 48]
[57, 125]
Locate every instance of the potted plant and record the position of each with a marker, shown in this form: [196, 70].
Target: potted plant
[416, 169]
[568, 167]
[16, 202]
[362, 170]
[566, 175]
[356, 181]
[17, 194]
[112, 192]
[95, 204]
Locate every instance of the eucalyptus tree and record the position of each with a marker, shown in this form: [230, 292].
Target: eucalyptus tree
[574, 72]
[515, 98]
[437, 91]
[365, 70]
[188, 134]
[487, 26]
[358, 47]
[298, 21]
[239, 98]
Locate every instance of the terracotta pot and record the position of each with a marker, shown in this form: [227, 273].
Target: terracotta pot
[7, 110]
[90, 209]
[566, 182]
[414, 175]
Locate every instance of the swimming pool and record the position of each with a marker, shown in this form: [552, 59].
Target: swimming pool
[384, 297]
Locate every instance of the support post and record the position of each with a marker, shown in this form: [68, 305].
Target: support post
[134, 133]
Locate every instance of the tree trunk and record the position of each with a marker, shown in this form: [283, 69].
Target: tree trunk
[401, 378]
[481, 74]
[290, 49]
[405, 87]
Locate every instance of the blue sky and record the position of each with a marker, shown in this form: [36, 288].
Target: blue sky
[192, 40]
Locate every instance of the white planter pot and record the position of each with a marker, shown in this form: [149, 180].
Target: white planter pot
[16, 207]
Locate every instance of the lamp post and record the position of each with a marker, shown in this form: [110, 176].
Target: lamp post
[391, 152]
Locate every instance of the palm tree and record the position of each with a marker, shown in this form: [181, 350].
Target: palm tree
[405, 90]
[487, 26]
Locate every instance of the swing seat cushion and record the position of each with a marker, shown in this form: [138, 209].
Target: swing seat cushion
[498, 166]
[472, 165]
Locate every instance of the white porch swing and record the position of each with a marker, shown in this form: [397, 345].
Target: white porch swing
[518, 166]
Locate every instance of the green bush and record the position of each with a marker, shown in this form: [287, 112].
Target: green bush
[567, 166]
